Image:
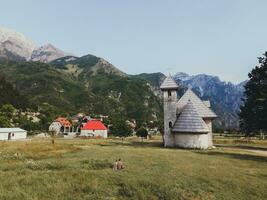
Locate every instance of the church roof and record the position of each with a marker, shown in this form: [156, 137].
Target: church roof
[202, 109]
[189, 121]
[168, 83]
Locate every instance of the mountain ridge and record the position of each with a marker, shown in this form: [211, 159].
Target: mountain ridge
[102, 85]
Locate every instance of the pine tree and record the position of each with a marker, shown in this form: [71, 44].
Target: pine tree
[253, 115]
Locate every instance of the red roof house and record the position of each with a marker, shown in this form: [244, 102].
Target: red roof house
[94, 128]
[63, 121]
[94, 125]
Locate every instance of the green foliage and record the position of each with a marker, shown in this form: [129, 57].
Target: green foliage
[120, 128]
[4, 121]
[142, 132]
[11, 95]
[253, 116]
[57, 92]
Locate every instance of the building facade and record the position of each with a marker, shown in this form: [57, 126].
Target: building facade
[12, 134]
[94, 128]
[187, 121]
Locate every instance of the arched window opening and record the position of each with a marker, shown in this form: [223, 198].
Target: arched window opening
[170, 124]
[169, 93]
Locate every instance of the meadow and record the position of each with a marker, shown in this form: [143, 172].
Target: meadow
[74, 169]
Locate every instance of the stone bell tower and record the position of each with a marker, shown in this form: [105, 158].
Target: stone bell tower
[169, 89]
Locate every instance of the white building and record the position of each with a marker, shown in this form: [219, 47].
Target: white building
[94, 128]
[187, 121]
[56, 127]
[12, 134]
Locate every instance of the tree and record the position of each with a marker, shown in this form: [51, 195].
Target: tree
[253, 116]
[4, 122]
[120, 128]
[142, 132]
[7, 110]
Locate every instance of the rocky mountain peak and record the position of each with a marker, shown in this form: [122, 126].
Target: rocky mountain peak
[15, 45]
[47, 53]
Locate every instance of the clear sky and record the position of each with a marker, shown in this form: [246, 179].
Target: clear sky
[217, 37]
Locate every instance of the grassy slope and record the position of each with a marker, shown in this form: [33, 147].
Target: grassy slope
[66, 171]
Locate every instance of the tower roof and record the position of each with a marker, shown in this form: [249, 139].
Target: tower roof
[189, 121]
[202, 109]
[168, 83]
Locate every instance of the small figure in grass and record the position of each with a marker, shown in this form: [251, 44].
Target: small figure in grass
[120, 165]
[115, 166]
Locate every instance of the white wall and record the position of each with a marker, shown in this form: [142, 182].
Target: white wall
[18, 135]
[90, 133]
[209, 124]
[14, 135]
[194, 141]
[3, 136]
[55, 126]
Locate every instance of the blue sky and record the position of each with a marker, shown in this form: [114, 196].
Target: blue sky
[217, 37]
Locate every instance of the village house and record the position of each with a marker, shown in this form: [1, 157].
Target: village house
[94, 128]
[12, 134]
[187, 121]
[60, 125]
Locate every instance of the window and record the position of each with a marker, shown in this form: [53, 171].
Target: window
[170, 124]
[12, 134]
[169, 93]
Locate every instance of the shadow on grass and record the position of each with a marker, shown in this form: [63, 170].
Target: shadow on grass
[245, 147]
[235, 156]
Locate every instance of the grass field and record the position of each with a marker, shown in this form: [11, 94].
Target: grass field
[80, 169]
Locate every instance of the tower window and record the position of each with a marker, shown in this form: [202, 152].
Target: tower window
[169, 93]
[170, 124]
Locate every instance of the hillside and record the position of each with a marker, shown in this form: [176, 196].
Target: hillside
[87, 84]
[11, 95]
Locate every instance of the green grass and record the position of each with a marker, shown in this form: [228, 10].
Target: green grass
[80, 169]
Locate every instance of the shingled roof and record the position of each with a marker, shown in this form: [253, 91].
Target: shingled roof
[202, 109]
[189, 121]
[168, 83]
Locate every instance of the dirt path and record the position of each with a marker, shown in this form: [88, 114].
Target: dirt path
[261, 152]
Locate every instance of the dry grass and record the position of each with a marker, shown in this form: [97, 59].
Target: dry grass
[80, 169]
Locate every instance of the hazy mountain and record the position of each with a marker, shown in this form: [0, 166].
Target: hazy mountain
[14, 45]
[47, 53]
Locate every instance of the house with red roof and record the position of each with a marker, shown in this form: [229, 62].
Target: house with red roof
[94, 128]
[60, 125]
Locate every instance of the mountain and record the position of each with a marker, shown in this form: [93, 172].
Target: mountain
[88, 84]
[225, 98]
[69, 84]
[47, 53]
[15, 46]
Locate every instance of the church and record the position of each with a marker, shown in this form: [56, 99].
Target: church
[187, 121]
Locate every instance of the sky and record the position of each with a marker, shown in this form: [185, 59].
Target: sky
[216, 37]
